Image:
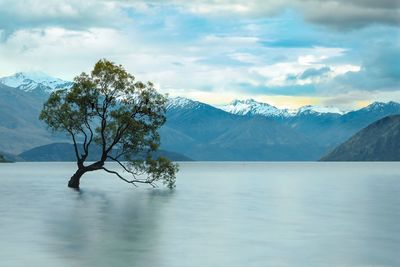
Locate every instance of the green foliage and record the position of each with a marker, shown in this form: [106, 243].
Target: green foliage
[118, 113]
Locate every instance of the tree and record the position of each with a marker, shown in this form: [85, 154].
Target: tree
[108, 108]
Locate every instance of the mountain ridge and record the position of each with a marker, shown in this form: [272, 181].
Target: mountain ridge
[34, 81]
[379, 141]
[251, 107]
[65, 152]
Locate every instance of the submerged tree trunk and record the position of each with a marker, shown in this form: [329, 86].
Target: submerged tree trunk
[74, 181]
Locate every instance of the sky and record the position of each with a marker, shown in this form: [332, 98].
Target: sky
[343, 53]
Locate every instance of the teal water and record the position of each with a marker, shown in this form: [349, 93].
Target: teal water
[220, 214]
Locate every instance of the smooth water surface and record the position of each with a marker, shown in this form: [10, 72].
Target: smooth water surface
[220, 214]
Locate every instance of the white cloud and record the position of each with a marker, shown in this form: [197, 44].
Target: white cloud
[65, 53]
[71, 14]
[207, 8]
[279, 74]
[245, 58]
[61, 52]
[343, 69]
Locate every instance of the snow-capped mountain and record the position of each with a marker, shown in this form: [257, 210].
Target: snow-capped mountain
[309, 109]
[182, 103]
[381, 106]
[252, 107]
[32, 81]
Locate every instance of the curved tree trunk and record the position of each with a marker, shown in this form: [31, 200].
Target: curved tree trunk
[74, 181]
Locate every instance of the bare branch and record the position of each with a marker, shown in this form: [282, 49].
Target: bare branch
[134, 182]
[125, 168]
[75, 145]
[121, 154]
[87, 142]
[120, 131]
[90, 140]
[103, 129]
[122, 165]
[119, 176]
[84, 142]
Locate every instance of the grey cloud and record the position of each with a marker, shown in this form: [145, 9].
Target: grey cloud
[312, 72]
[344, 15]
[387, 4]
[309, 73]
[338, 14]
[78, 14]
[72, 14]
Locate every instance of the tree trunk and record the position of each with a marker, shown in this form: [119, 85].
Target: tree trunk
[74, 181]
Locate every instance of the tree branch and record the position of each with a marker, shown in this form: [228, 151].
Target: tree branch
[124, 167]
[120, 131]
[119, 176]
[103, 129]
[86, 145]
[84, 142]
[150, 182]
[75, 146]
[121, 154]
[120, 164]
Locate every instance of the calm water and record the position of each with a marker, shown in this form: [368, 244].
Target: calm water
[221, 214]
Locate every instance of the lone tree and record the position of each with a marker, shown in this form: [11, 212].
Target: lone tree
[121, 116]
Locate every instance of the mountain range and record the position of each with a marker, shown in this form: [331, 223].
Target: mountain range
[65, 152]
[20, 128]
[205, 132]
[38, 82]
[242, 130]
[250, 107]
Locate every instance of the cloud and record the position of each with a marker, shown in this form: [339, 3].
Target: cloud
[60, 52]
[178, 69]
[302, 66]
[283, 90]
[71, 14]
[81, 15]
[313, 72]
[321, 75]
[206, 48]
[291, 43]
[338, 14]
[380, 70]
[350, 14]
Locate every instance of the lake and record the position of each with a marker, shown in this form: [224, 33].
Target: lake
[220, 214]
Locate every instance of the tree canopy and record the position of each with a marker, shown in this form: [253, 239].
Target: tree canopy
[108, 108]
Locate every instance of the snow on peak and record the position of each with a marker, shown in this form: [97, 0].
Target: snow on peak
[319, 110]
[29, 81]
[181, 102]
[252, 107]
[376, 105]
